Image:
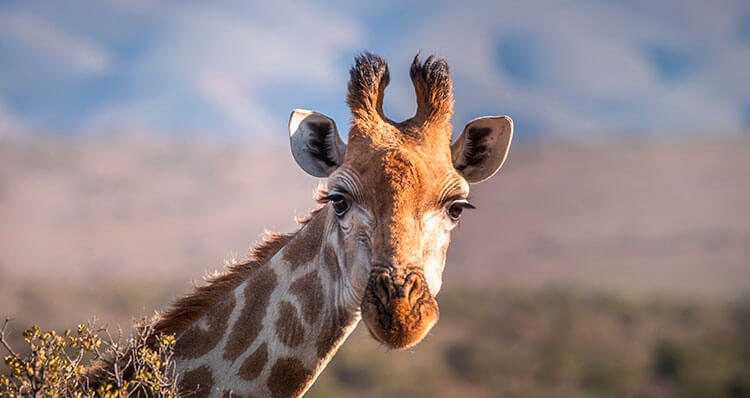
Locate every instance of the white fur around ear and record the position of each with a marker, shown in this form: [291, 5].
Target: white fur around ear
[482, 147]
[315, 142]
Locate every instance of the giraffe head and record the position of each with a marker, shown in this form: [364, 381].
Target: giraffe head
[396, 190]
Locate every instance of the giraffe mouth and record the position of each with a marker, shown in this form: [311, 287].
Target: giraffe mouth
[399, 311]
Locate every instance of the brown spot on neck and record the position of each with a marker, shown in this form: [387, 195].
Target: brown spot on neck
[197, 382]
[332, 331]
[196, 342]
[289, 328]
[309, 291]
[289, 378]
[306, 244]
[254, 364]
[250, 322]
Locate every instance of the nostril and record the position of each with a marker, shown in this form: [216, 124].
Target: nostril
[413, 288]
[384, 289]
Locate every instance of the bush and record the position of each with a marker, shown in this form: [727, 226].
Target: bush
[55, 365]
[667, 362]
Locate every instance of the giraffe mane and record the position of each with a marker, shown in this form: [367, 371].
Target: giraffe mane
[186, 310]
[189, 308]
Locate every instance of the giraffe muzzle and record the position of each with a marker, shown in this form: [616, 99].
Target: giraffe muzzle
[398, 309]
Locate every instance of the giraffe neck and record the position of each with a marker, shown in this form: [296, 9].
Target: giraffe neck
[275, 332]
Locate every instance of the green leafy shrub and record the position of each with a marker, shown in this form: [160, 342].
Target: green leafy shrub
[55, 365]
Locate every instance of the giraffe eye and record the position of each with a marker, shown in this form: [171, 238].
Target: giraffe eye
[456, 208]
[339, 203]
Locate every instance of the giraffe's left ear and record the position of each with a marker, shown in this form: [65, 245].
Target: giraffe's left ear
[315, 141]
[482, 147]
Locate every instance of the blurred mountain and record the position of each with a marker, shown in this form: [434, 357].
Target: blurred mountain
[614, 268]
[632, 216]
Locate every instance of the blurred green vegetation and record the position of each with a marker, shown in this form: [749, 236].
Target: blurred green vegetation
[557, 342]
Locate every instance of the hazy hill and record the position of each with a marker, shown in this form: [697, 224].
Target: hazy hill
[608, 269]
[130, 214]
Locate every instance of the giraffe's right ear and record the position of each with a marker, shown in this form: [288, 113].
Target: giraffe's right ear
[316, 145]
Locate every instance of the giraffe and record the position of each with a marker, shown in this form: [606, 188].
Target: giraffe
[374, 249]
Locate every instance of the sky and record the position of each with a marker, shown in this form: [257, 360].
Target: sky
[567, 68]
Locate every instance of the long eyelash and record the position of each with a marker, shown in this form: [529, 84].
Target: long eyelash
[468, 202]
[322, 196]
[465, 203]
[328, 196]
